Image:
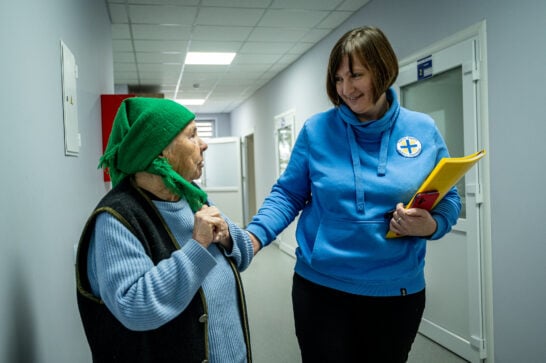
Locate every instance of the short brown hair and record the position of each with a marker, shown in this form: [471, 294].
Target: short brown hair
[373, 50]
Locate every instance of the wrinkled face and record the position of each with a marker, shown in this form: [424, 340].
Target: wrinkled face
[185, 153]
[356, 89]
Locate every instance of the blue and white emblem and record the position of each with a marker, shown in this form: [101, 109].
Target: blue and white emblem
[408, 146]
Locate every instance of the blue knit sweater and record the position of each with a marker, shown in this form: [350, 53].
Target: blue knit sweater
[343, 176]
[143, 296]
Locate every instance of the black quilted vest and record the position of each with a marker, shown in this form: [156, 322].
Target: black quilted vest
[183, 339]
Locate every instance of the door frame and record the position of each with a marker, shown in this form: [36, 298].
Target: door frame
[228, 197]
[479, 71]
[248, 177]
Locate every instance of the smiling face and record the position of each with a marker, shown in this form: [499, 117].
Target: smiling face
[361, 68]
[185, 153]
[354, 85]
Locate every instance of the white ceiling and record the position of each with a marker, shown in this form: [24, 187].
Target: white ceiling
[151, 38]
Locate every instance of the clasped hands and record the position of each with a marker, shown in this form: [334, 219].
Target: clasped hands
[209, 227]
[412, 222]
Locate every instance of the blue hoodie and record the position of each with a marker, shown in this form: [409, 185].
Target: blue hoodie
[343, 176]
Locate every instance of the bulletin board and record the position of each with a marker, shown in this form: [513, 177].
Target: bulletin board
[284, 138]
[69, 74]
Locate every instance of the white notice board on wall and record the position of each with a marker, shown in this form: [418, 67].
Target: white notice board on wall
[69, 74]
[284, 138]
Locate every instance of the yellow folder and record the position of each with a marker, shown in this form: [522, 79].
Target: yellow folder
[444, 176]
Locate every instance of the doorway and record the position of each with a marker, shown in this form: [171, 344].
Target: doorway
[444, 81]
[221, 177]
[248, 178]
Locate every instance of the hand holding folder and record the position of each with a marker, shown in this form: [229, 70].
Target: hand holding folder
[440, 180]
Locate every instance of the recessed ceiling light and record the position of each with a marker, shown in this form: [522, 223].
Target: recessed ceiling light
[190, 101]
[209, 58]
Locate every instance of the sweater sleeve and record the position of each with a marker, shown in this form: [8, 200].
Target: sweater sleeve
[242, 251]
[141, 295]
[447, 211]
[288, 196]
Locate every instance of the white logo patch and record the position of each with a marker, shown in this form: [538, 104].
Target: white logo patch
[408, 146]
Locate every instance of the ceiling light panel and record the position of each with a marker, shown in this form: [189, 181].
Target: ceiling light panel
[190, 101]
[211, 58]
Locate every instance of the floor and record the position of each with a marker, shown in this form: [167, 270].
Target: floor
[267, 284]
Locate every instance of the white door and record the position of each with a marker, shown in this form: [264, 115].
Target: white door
[444, 84]
[221, 177]
[248, 176]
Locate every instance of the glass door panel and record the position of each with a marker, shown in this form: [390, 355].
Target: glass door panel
[441, 97]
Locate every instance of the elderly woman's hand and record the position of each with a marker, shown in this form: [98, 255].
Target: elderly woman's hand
[209, 227]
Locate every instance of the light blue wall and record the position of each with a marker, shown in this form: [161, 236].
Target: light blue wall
[516, 50]
[46, 196]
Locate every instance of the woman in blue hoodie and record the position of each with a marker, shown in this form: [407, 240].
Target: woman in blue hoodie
[358, 296]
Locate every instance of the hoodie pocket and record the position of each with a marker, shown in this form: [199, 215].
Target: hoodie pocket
[358, 250]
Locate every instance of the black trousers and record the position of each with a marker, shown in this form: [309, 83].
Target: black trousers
[335, 326]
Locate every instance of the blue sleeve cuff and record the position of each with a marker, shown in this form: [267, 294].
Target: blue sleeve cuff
[442, 227]
[199, 256]
[259, 233]
[242, 250]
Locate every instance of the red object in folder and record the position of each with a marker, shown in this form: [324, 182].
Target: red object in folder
[425, 200]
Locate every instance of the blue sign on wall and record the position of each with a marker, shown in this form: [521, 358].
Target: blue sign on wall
[424, 68]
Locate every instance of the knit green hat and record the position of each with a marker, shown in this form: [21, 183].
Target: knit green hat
[142, 128]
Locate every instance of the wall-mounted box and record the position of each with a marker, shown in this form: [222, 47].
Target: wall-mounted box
[69, 74]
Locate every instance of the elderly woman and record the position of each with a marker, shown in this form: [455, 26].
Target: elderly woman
[157, 266]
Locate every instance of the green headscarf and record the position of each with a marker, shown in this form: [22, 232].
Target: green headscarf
[142, 128]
